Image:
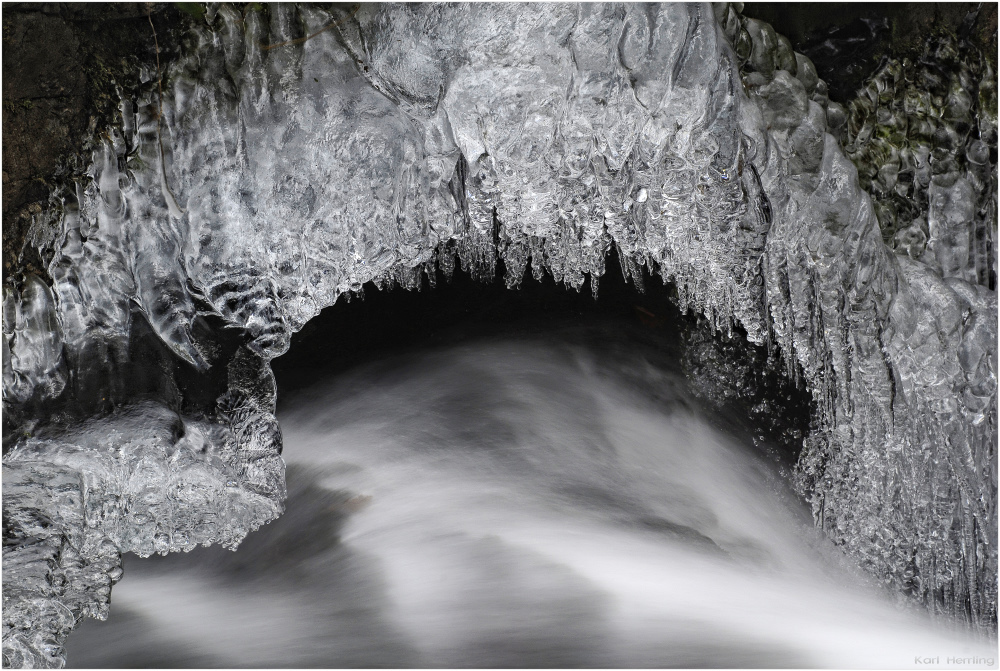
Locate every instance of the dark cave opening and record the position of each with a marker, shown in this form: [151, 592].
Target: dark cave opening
[740, 388]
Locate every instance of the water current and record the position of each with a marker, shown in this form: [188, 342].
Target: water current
[538, 498]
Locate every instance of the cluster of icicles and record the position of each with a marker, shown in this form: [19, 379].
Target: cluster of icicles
[286, 172]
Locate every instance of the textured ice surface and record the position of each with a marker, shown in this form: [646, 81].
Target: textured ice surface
[143, 479]
[692, 140]
[921, 135]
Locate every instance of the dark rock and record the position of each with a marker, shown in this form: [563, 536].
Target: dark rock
[847, 41]
[63, 66]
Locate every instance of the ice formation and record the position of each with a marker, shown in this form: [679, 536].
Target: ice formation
[921, 135]
[303, 152]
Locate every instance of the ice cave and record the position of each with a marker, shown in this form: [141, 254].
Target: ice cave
[500, 335]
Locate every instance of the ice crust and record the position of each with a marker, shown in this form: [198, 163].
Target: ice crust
[142, 479]
[920, 134]
[281, 176]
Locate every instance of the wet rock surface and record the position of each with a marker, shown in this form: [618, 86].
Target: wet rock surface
[849, 41]
[62, 66]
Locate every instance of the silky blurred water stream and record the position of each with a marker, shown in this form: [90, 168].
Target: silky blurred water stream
[531, 501]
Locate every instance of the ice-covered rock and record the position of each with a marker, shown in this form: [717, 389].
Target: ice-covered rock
[303, 152]
[920, 134]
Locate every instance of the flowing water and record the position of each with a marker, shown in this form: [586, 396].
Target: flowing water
[510, 502]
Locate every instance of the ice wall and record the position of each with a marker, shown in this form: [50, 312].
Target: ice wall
[303, 152]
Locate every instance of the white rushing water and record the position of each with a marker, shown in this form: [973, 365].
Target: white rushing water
[510, 503]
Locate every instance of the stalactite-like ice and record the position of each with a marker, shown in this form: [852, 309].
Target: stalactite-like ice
[286, 172]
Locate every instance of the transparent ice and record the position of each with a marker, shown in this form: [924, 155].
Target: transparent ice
[690, 139]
